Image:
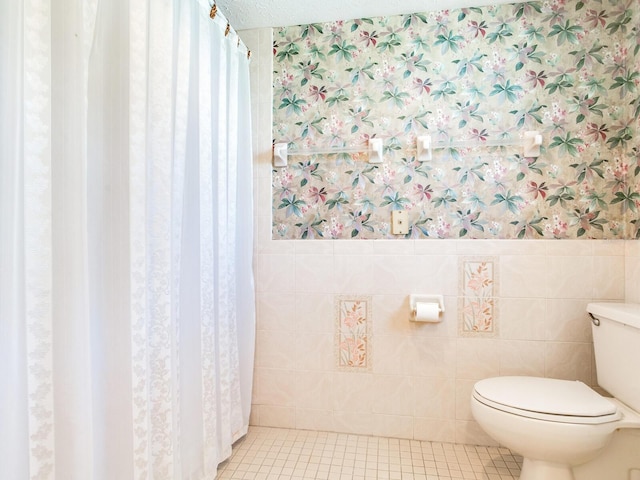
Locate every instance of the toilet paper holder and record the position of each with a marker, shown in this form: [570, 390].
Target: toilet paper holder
[414, 299]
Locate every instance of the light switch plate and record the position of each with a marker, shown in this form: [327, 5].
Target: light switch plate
[399, 222]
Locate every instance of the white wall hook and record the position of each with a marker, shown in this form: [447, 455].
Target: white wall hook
[423, 148]
[280, 152]
[532, 141]
[375, 150]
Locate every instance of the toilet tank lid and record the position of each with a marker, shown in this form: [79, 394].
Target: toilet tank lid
[627, 313]
[546, 395]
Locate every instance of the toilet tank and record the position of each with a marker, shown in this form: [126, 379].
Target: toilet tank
[616, 340]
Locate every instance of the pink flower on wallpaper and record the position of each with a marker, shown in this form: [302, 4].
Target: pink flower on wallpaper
[422, 86]
[334, 229]
[317, 195]
[441, 228]
[558, 228]
[318, 93]
[369, 39]
[474, 28]
[422, 192]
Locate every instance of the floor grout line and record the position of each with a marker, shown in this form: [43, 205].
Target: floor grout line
[283, 454]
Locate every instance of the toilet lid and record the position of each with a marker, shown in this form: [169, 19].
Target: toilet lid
[547, 399]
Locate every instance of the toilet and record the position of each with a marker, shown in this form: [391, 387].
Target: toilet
[559, 424]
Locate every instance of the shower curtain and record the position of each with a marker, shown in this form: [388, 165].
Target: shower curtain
[126, 293]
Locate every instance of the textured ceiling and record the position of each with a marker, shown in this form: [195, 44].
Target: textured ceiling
[245, 14]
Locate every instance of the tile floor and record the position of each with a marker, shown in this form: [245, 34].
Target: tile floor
[280, 454]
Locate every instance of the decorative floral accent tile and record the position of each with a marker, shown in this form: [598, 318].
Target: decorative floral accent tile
[353, 332]
[478, 303]
[569, 70]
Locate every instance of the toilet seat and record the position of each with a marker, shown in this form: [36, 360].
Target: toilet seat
[546, 399]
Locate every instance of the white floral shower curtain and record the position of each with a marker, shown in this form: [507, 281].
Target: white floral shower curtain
[126, 290]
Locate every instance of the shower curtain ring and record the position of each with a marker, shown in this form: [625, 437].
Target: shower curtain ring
[227, 30]
[214, 11]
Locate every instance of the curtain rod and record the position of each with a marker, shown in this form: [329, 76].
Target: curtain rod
[214, 13]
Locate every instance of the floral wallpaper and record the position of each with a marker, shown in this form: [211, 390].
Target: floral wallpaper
[568, 69]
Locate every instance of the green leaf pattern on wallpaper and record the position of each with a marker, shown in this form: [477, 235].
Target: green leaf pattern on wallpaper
[570, 70]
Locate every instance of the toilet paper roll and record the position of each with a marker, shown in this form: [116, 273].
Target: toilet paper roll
[427, 312]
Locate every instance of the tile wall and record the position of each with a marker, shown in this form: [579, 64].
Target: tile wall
[632, 271]
[419, 376]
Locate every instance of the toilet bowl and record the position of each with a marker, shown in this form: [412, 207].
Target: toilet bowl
[559, 424]
[554, 424]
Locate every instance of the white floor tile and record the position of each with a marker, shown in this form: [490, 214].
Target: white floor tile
[282, 454]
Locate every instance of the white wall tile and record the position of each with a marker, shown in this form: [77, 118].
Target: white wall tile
[353, 274]
[353, 247]
[522, 318]
[434, 397]
[522, 247]
[435, 357]
[314, 313]
[314, 351]
[353, 393]
[523, 276]
[393, 395]
[315, 274]
[276, 311]
[393, 247]
[393, 355]
[314, 247]
[403, 274]
[567, 321]
[632, 248]
[565, 248]
[609, 247]
[436, 247]
[464, 388]
[391, 315]
[471, 433]
[609, 278]
[275, 274]
[277, 416]
[569, 277]
[314, 390]
[568, 361]
[393, 426]
[360, 423]
[275, 387]
[632, 278]
[311, 419]
[275, 349]
[434, 430]
[519, 357]
[477, 358]
[479, 247]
